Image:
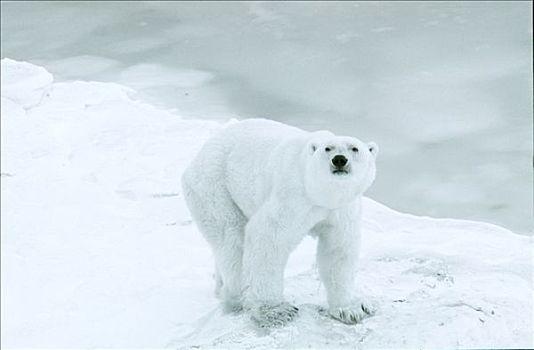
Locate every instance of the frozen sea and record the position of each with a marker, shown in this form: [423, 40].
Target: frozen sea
[445, 88]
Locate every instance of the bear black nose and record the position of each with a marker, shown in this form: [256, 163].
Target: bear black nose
[339, 161]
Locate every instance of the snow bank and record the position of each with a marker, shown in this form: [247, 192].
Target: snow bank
[98, 248]
[24, 83]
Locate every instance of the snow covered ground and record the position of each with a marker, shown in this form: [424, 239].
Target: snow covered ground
[98, 248]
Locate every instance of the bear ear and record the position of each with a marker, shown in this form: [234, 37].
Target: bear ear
[373, 148]
[312, 147]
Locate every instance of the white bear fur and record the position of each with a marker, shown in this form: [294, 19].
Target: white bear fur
[256, 189]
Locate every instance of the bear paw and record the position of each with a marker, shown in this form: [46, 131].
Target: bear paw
[232, 305]
[353, 313]
[268, 315]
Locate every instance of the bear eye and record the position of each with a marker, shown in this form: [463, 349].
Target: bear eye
[354, 149]
[327, 149]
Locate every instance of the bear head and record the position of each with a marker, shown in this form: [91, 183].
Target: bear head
[338, 169]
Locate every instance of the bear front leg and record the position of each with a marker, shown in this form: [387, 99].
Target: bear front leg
[268, 243]
[337, 253]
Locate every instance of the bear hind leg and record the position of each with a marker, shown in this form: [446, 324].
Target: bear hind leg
[229, 260]
[222, 224]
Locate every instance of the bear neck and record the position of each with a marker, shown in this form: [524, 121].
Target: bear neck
[331, 194]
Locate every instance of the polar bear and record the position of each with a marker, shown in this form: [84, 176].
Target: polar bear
[256, 189]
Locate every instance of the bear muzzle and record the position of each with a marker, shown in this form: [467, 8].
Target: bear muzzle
[340, 165]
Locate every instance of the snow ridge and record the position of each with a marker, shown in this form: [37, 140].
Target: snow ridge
[98, 248]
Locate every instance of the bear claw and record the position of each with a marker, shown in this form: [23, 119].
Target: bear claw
[352, 314]
[276, 315]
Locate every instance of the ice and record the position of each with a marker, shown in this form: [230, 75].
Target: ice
[94, 67]
[99, 250]
[445, 88]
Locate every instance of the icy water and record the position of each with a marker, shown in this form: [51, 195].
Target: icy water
[445, 88]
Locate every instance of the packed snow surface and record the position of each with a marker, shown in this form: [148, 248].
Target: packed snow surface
[99, 250]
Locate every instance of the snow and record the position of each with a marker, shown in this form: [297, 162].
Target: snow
[24, 83]
[99, 250]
